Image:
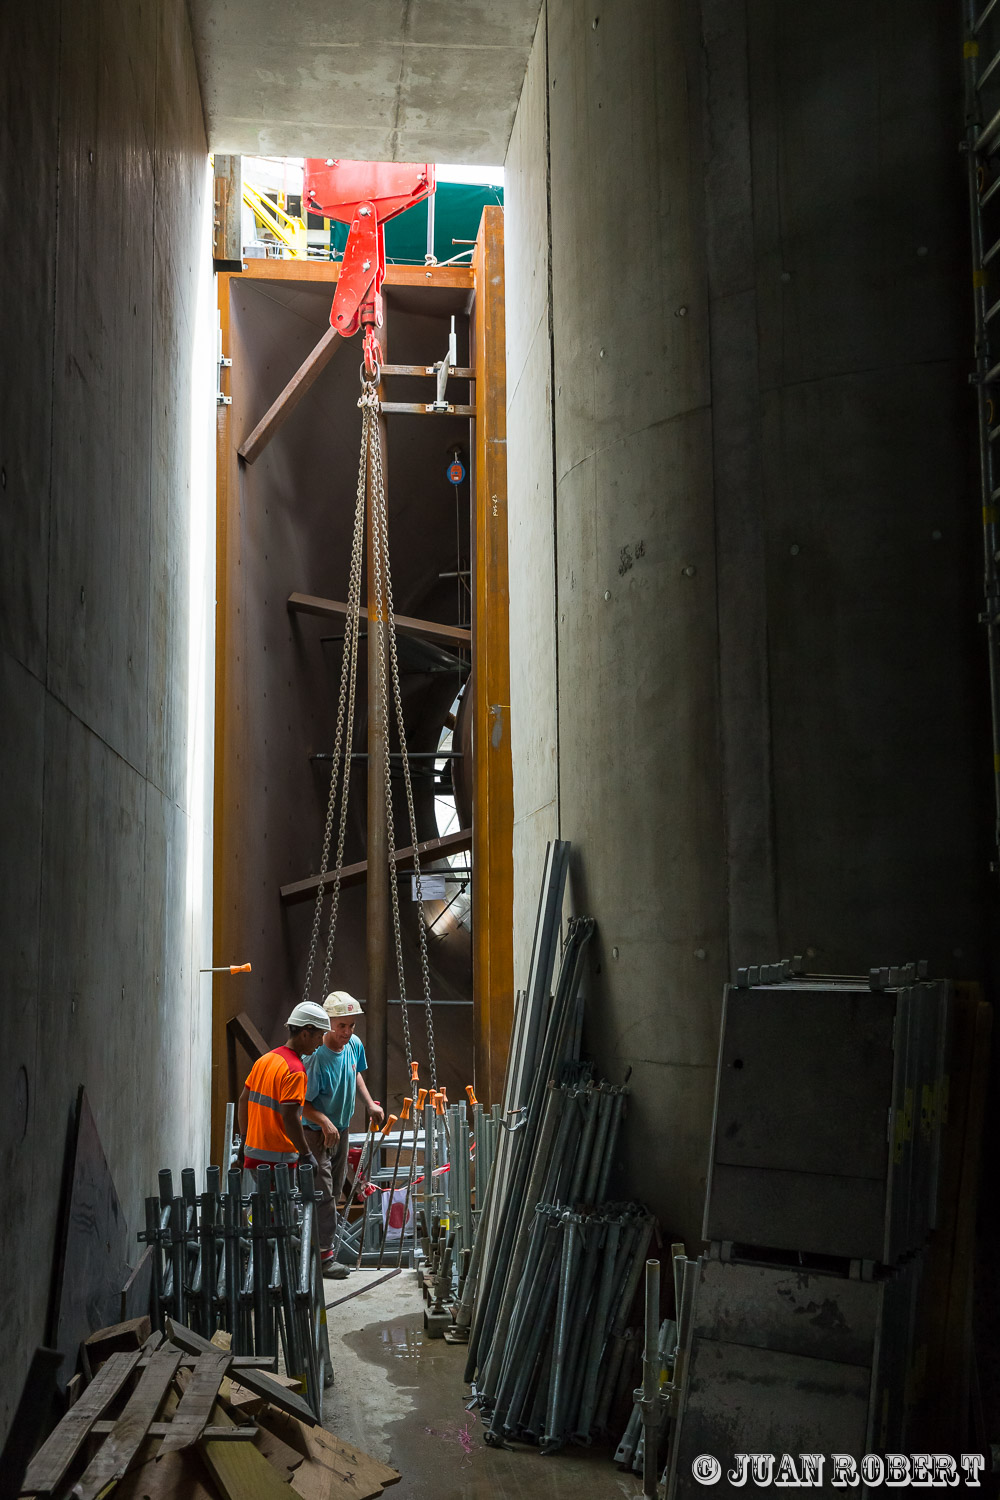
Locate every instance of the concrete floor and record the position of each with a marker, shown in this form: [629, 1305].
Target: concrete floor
[401, 1397]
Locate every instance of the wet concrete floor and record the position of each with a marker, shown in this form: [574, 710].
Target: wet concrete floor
[401, 1397]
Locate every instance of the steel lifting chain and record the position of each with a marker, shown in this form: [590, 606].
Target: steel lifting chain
[345, 709]
[383, 593]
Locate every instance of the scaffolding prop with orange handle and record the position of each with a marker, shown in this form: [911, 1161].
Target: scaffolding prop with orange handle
[404, 1115]
[364, 1160]
[477, 1181]
[377, 1142]
[420, 1098]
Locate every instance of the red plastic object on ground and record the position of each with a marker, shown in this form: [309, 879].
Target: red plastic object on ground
[363, 194]
[364, 1188]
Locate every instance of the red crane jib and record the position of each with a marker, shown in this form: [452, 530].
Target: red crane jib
[363, 194]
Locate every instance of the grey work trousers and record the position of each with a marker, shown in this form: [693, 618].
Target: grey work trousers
[329, 1179]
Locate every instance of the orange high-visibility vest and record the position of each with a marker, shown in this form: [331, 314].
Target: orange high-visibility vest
[277, 1078]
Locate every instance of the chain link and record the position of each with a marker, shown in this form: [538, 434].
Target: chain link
[371, 484]
[345, 701]
[380, 527]
[376, 491]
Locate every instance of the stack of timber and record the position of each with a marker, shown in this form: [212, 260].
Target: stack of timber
[177, 1417]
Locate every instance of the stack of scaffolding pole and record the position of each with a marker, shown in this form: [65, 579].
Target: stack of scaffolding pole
[528, 1141]
[519, 1145]
[555, 1378]
[531, 1015]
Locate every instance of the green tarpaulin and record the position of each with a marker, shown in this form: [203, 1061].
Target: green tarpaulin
[458, 209]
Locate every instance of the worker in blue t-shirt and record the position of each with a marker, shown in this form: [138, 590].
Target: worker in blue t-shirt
[332, 1085]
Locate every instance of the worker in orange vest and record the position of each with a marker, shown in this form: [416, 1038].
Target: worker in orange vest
[273, 1094]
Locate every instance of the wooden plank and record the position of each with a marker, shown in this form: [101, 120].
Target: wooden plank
[239, 1362]
[282, 407]
[450, 843]
[120, 1447]
[357, 1459]
[457, 372]
[425, 409]
[238, 1400]
[255, 1380]
[310, 604]
[493, 783]
[197, 1401]
[160, 1430]
[240, 1470]
[451, 277]
[227, 223]
[279, 1454]
[92, 1246]
[137, 1290]
[177, 1476]
[246, 1033]
[329, 1474]
[61, 1447]
[313, 1480]
[128, 1335]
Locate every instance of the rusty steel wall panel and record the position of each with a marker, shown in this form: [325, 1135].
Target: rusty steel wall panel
[285, 527]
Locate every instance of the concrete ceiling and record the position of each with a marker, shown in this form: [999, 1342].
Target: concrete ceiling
[379, 80]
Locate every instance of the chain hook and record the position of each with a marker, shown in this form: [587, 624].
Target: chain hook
[373, 357]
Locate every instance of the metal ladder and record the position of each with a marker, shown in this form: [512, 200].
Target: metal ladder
[981, 52]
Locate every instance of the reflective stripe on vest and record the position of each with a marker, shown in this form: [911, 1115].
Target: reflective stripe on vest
[276, 1084]
[266, 1100]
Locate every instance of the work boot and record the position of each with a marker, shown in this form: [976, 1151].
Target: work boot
[333, 1268]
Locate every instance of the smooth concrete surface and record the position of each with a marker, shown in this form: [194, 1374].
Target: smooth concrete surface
[531, 532]
[613, 156]
[393, 80]
[106, 627]
[401, 1397]
[748, 593]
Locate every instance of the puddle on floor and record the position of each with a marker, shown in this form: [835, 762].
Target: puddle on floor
[422, 1426]
[403, 1342]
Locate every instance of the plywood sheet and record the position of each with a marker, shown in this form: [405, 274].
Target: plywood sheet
[93, 1255]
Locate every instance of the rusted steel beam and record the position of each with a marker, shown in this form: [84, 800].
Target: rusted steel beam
[281, 409]
[452, 635]
[493, 793]
[450, 843]
[460, 372]
[425, 409]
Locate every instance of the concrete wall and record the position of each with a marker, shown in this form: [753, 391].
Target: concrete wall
[743, 531]
[106, 624]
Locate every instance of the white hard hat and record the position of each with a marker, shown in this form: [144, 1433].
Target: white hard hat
[340, 1003]
[308, 1013]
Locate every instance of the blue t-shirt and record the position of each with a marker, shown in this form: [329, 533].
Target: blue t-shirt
[333, 1079]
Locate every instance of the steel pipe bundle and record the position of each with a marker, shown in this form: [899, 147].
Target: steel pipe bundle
[580, 1275]
[546, 1037]
[630, 1453]
[246, 1264]
[570, 1168]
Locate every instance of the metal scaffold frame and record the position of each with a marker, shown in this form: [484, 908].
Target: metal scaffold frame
[981, 146]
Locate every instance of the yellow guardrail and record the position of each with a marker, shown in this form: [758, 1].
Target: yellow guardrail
[288, 230]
